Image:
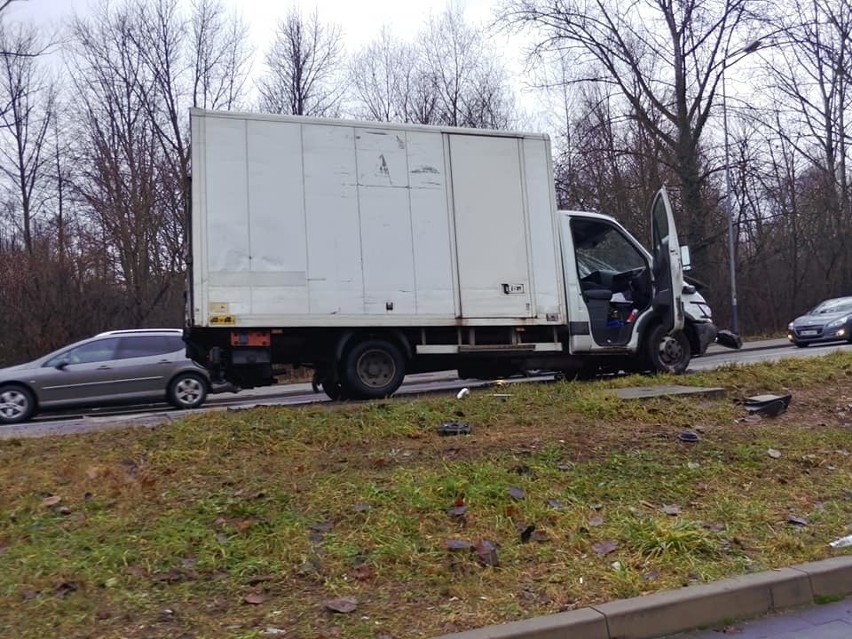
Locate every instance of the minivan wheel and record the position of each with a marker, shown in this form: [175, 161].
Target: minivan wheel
[187, 391]
[668, 353]
[17, 404]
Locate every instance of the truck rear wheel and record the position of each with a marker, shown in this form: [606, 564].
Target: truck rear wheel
[668, 353]
[372, 369]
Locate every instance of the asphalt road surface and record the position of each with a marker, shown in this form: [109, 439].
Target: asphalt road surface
[297, 394]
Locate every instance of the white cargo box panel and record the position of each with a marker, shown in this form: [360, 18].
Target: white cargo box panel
[308, 222]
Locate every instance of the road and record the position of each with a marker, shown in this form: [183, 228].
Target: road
[297, 394]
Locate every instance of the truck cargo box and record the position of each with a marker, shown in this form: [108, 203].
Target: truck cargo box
[306, 222]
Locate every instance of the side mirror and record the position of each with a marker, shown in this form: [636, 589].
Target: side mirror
[685, 260]
[61, 364]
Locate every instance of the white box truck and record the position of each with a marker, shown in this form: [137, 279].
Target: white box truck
[367, 251]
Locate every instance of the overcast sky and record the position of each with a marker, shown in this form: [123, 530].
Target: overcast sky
[361, 20]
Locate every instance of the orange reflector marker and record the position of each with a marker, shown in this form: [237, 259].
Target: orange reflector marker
[250, 338]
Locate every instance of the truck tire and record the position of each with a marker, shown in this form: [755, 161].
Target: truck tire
[372, 369]
[333, 390]
[668, 353]
[187, 391]
[17, 404]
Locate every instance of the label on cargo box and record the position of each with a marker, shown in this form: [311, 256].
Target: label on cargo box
[223, 320]
[513, 289]
[218, 308]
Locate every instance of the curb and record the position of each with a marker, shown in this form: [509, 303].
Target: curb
[673, 611]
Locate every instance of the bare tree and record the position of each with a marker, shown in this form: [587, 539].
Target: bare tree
[120, 162]
[812, 78]
[304, 68]
[28, 96]
[381, 77]
[666, 61]
[469, 84]
[221, 56]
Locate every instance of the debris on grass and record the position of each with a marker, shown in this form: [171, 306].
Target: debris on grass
[603, 548]
[342, 605]
[767, 405]
[842, 542]
[688, 437]
[527, 532]
[448, 429]
[487, 552]
[255, 598]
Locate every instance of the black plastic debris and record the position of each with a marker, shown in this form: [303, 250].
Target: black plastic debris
[689, 437]
[767, 405]
[729, 339]
[448, 429]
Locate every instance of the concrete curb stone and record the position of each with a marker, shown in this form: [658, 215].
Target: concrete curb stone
[666, 613]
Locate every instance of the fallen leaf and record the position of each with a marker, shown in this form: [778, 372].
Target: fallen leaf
[459, 500]
[516, 493]
[597, 520]
[65, 588]
[364, 572]
[361, 508]
[51, 501]
[342, 605]
[603, 548]
[244, 525]
[671, 509]
[457, 544]
[512, 512]
[254, 598]
[540, 536]
[774, 454]
[487, 552]
[797, 521]
[457, 511]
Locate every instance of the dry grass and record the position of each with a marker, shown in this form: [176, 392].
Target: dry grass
[228, 524]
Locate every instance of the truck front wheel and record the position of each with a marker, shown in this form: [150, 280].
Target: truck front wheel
[372, 369]
[668, 353]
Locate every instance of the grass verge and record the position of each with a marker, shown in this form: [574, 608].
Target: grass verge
[360, 521]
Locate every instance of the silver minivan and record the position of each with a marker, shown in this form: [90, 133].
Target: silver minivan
[116, 367]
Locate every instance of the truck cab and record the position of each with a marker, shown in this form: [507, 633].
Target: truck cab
[623, 299]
